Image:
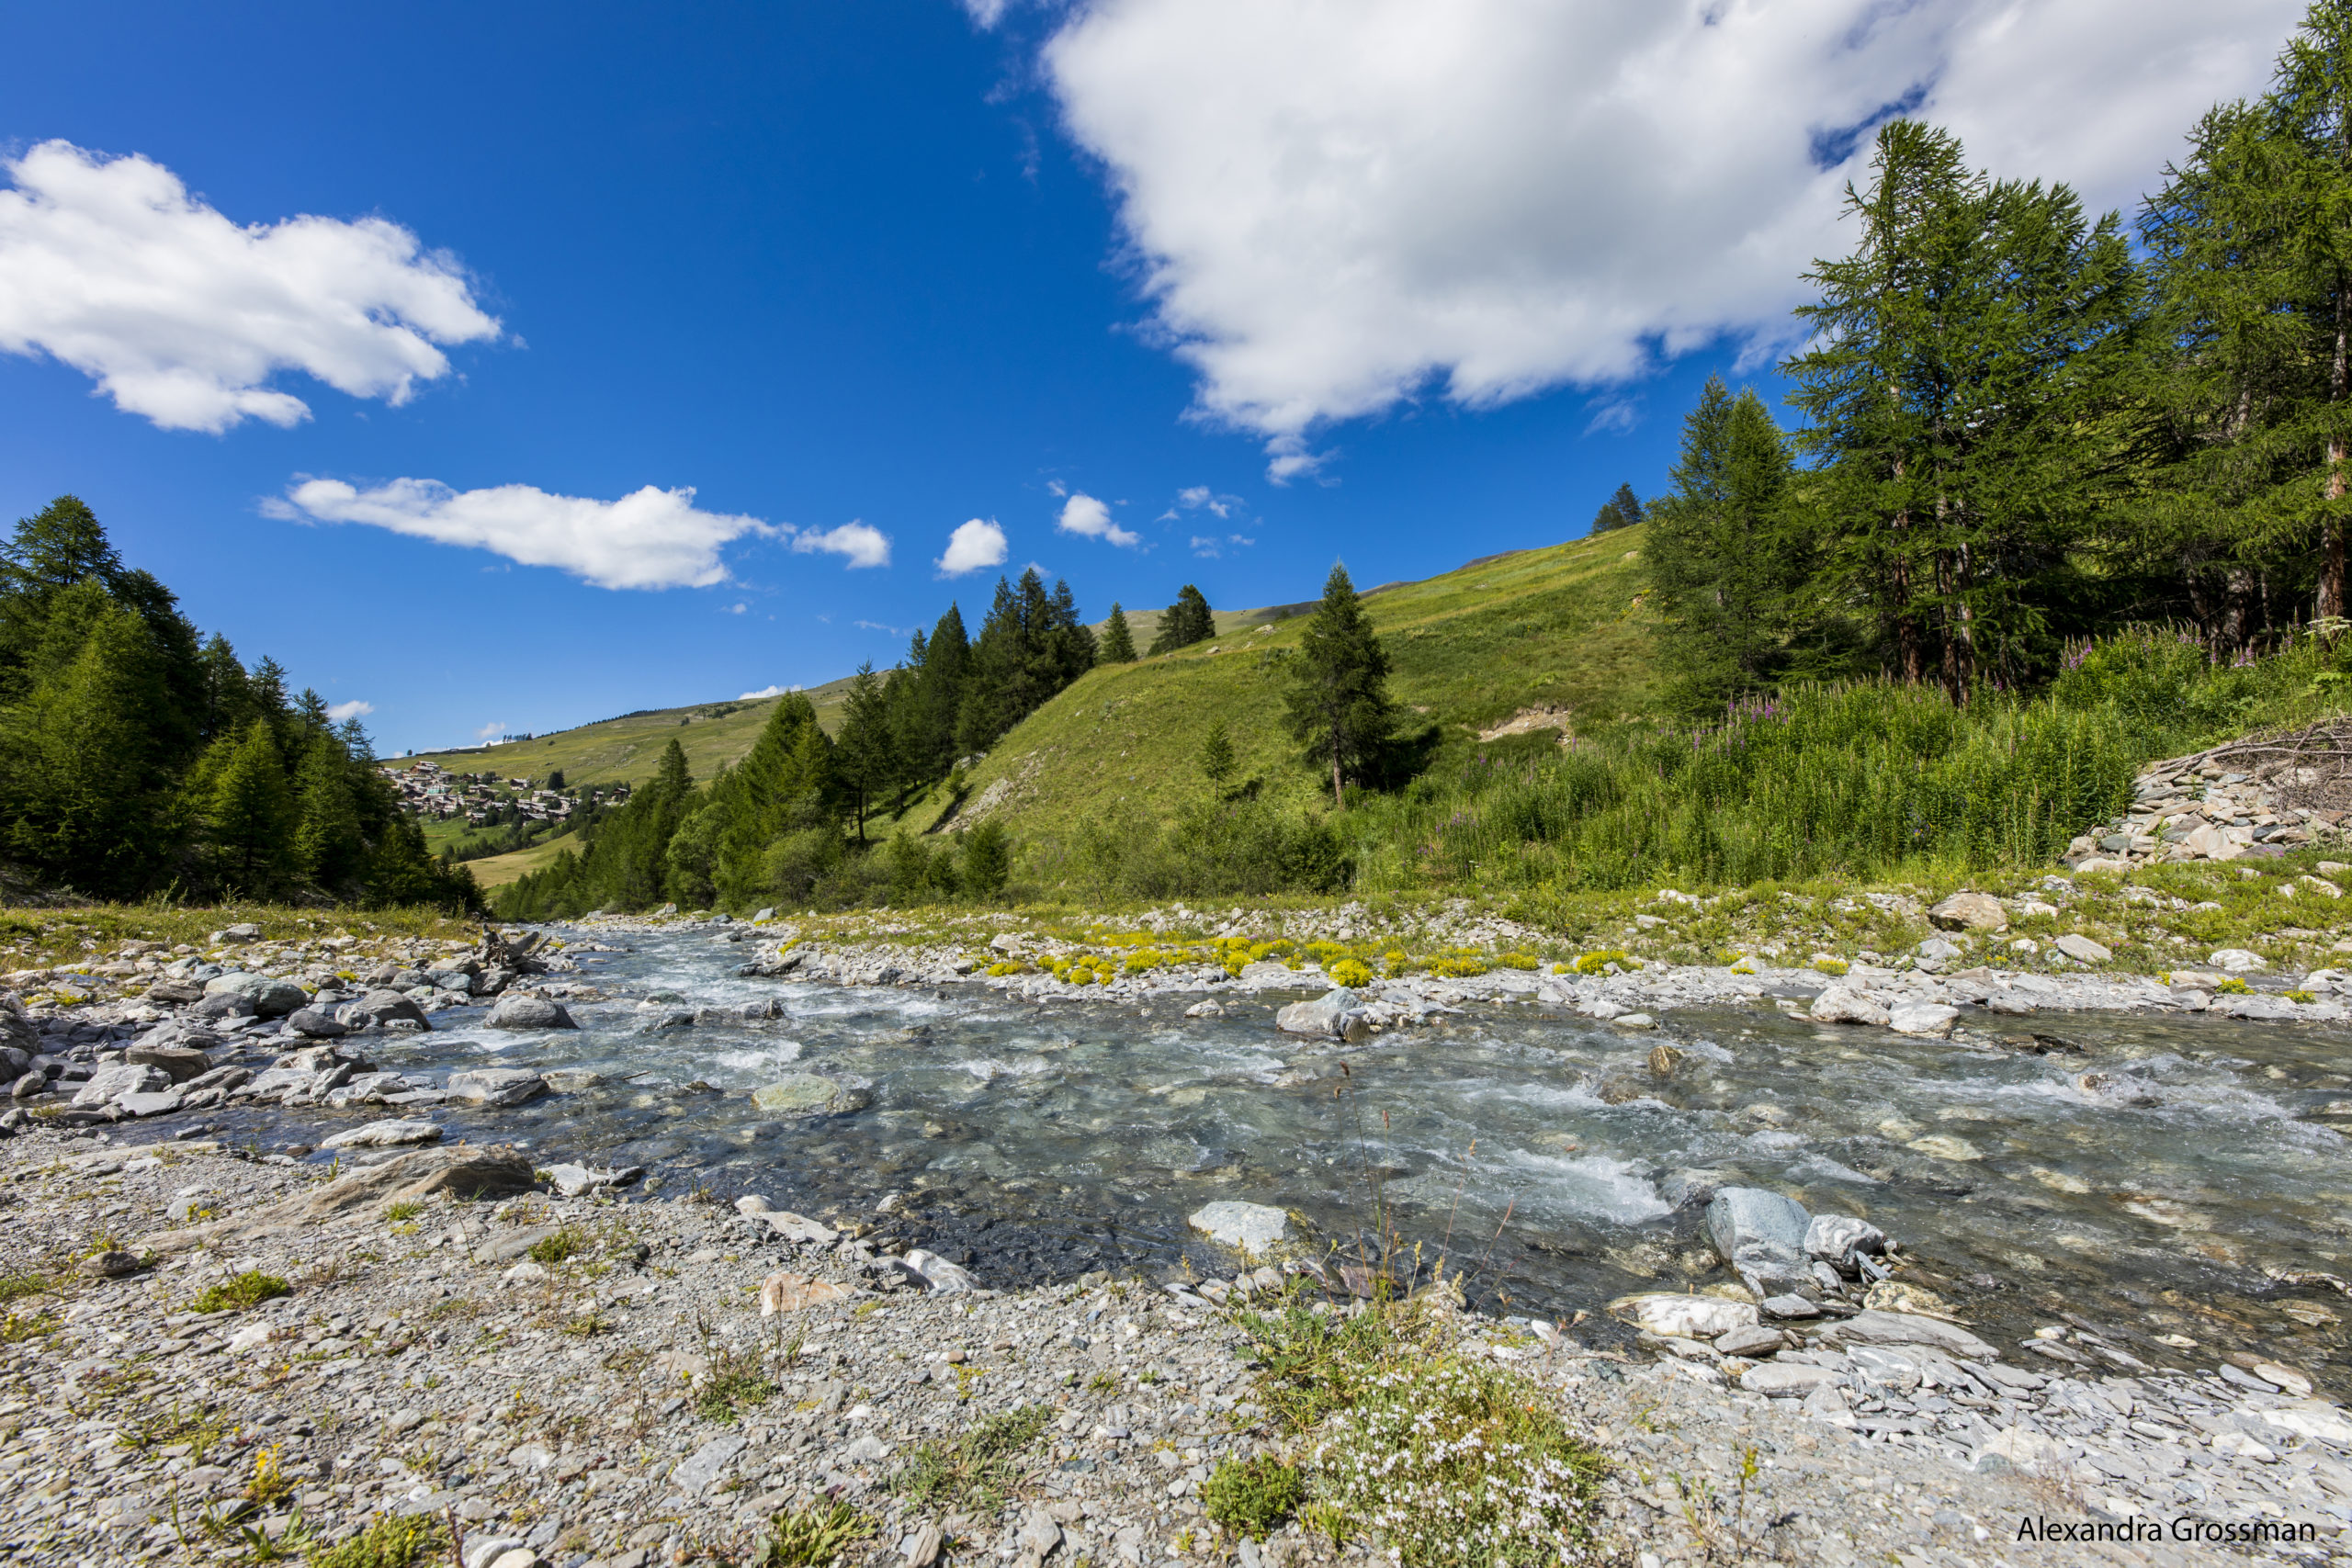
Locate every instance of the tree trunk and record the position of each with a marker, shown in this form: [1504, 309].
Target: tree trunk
[2331, 528]
[1338, 796]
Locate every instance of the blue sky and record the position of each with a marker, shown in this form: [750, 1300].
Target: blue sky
[1400, 284]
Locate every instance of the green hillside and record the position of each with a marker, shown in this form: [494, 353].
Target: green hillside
[1555, 629]
[626, 749]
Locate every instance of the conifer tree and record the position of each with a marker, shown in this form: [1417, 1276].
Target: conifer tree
[1217, 757]
[1339, 698]
[1118, 642]
[1621, 509]
[1188, 621]
[1721, 555]
[249, 813]
[865, 758]
[328, 846]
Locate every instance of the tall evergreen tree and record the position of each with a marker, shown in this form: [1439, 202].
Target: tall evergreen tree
[1118, 642]
[1188, 621]
[328, 845]
[865, 759]
[1032, 645]
[946, 670]
[1962, 353]
[248, 812]
[1339, 699]
[1621, 509]
[1723, 556]
[1217, 757]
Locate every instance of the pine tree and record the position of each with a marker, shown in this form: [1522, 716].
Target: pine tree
[1338, 701]
[1118, 642]
[1963, 353]
[1722, 553]
[328, 846]
[946, 669]
[1188, 621]
[1621, 509]
[249, 814]
[865, 758]
[1217, 757]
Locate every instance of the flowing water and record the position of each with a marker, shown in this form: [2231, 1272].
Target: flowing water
[2141, 1173]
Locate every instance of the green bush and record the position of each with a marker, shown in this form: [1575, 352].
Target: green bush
[249, 1289]
[1253, 1496]
[988, 859]
[1458, 1464]
[393, 1540]
[1215, 848]
[979, 1468]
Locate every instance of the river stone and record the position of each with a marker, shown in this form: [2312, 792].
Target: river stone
[706, 1464]
[1970, 912]
[314, 1024]
[1786, 1379]
[572, 1181]
[1676, 1316]
[1752, 1342]
[1752, 1225]
[1908, 1328]
[781, 1291]
[2264, 1009]
[522, 1011]
[159, 1102]
[1933, 1019]
[2237, 960]
[1257, 1230]
[2082, 949]
[811, 1094]
[496, 1087]
[383, 1005]
[1939, 950]
[1837, 1238]
[180, 1062]
[1327, 1017]
[393, 1133]
[1791, 1307]
[944, 1278]
[1632, 1020]
[1843, 1004]
[120, 1078]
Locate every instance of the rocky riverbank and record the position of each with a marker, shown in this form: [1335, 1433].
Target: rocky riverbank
[207, 1343]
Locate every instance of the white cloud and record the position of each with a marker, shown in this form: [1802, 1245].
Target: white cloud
[879, 626]
[1198, 498]
[1089, 518]
[183, 316]
[766, 691]
[737, 608]
[1340, 206]
[491, 731]
[1206, 548]
[974, 546]
[862, 545]
[653, 538]
[351, 709]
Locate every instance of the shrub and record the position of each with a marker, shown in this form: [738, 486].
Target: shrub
[1830, 965]
[812, 1538]
[2231, 986]
[393, 1540]
[563, 1246]
[1594, 963]
[249, 1289]
[1517, 960]
[1456, 1464]
[988, 859]
[1253, 1496]
[980, 1467]
[1351, 972]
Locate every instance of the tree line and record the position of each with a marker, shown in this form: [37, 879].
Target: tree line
[789, 824]
[2018, 429]
[137, 758]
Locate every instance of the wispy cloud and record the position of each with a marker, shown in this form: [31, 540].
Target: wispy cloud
[491, 731]
[766, 691]
[351, 709]
[974, 546]
[878, 626]
[184, 317]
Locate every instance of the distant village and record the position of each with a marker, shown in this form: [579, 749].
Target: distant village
[428, 790]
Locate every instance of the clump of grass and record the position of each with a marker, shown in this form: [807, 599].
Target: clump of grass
[564, 1245]
[736, 1383]
[812, 1538]
[402, 1210]
[1253, 1496]
[1310, 1364]
[21, 1326]
[270, 1483]
[1458, 1464]
[979, 1468]
[392, 1540]
[16, 1287]
[249, 1289]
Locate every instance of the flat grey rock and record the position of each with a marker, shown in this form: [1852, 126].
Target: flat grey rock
[1255, 1229]
[496, 1087]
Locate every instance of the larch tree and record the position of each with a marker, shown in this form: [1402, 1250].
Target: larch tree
[1338, 701]
[1118, 642]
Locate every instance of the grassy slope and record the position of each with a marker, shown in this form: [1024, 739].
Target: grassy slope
[1469, 648]
[496, 871]
[627, 750]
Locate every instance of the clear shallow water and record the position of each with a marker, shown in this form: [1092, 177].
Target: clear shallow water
[2141, 1173]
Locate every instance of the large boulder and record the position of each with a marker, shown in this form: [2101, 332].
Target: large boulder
[118, 1078]
[380, 1007]
[180, 1062]
[1255, 1230]
[496, 1087]
[812, 1094]
[1334, 1015]
[1932, 1019]
[1969, 912]
[315, 1023]
[386, 1135]
[2082, 949]
[1757, 1231]
[270, 997]
[522, 1011]
[1844, 1004]
[1682, 1316]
